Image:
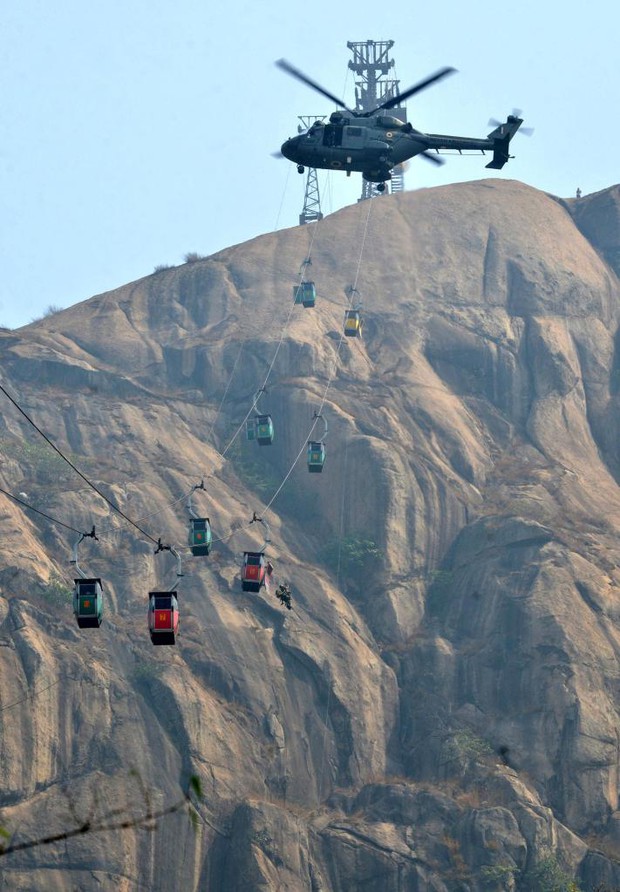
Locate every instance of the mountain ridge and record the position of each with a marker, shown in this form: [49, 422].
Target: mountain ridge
[440, 710]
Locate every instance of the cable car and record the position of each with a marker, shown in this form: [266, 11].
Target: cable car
[264, 430]
[353, 324]
[88, 603]
[200, 535]
[253, 571]
[250, 429]
[316, 457]
[305, 293]
[163, 617]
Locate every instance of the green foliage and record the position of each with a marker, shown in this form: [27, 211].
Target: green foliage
[193, 816]
[144, 670]
[51, 310]
[57, 591]
[440, 586]
[255, 473]
[548, 876]
[497, 873]
[463, 749]
[195, 786]
[353, 556]
[48, 466]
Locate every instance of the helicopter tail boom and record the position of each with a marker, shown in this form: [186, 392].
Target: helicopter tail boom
[501, 137]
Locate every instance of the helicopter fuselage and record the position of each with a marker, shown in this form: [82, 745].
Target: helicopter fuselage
[376, 144]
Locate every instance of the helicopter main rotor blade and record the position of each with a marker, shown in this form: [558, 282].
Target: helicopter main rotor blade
[295, 72]
[434, 158]
[417, 88]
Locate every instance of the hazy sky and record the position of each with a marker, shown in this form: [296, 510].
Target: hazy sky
[134, 131]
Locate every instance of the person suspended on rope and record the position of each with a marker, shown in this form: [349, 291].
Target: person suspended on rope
[283, 593]
[256, 519]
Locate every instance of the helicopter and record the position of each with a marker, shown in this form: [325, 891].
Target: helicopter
[373, 142]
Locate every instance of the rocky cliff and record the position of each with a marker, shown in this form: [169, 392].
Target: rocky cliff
[440, 710]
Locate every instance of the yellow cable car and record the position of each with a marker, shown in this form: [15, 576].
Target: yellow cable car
[353, 324]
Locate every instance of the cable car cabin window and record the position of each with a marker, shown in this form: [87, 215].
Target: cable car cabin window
[163, 603]
[88, 589]
[332, 135]
[254, 560]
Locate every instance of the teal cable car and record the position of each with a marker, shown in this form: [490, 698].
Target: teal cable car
[260, 427]
[87, 593]
[264, 430]
[200, 535]
[305, 294]
[316, 449]
[88, 603]
[316, 457]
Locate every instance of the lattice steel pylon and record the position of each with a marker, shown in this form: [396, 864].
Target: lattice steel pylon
[312, 199]
[372, 63]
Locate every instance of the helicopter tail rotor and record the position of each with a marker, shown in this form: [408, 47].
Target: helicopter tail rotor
[516, 115]
[500, 137]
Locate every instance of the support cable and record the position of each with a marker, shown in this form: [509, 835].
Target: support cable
[53, 520]
[332, 374]
[77, 470]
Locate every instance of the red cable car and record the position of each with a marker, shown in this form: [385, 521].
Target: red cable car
[253, 571]
[163, 617]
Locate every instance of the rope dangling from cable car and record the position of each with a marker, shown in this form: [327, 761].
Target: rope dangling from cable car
[87, 592]
[200, 535]
[260, 427]
[304, 292]
[316, 449]
[164, 606]
[255, 570]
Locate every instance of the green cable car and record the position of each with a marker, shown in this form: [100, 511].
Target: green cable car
[264, 430]
[88, 603]
[305, 294]
[260, 427]
[316, 457]
[316, 448]
[200, 536]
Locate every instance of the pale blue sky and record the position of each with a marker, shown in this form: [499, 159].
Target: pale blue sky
[134, 131]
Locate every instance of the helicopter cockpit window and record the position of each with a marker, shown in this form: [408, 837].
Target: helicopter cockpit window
[390, 122]
[354, 131]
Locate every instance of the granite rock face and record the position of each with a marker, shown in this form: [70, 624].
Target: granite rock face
[440, 709]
